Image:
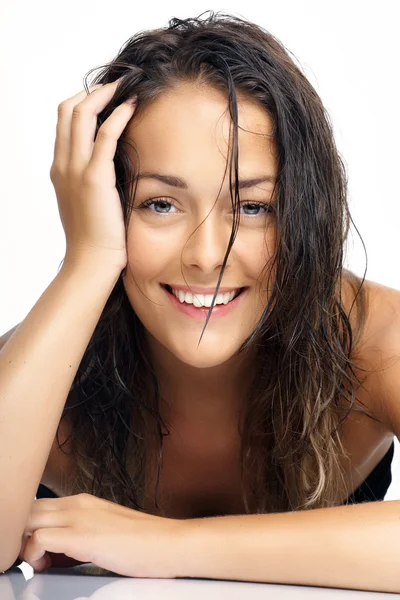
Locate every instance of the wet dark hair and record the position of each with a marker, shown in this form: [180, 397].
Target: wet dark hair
[305, 344]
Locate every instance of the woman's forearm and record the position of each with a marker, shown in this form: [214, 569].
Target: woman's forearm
[37, 366]
[355, 547]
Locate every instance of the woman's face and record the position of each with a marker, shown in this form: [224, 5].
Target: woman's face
[181, 238]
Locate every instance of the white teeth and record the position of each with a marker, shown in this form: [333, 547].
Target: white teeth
[199, 300]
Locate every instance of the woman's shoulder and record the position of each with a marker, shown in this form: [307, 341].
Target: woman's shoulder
[378, 347]
[374, 309]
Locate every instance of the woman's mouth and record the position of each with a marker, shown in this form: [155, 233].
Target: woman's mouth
[200, 312]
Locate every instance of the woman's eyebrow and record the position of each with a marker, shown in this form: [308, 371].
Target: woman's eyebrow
[178, 182]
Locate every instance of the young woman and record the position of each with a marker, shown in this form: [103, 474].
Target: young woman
[202, 352]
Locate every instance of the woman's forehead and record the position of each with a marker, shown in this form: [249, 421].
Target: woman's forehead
[194, 124]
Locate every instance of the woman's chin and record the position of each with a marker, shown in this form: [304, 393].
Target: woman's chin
[204, 356]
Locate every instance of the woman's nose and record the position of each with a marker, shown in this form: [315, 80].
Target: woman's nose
[207, 245]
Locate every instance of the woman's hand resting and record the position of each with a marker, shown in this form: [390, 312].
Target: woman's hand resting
[64, 532]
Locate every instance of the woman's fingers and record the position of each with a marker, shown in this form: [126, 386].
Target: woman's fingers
[104, 147]
[83, 120]
[59, 540]
[63, 141]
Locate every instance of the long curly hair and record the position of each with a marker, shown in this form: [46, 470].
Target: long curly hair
[306, 347]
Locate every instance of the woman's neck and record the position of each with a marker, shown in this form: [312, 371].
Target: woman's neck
[206, 396]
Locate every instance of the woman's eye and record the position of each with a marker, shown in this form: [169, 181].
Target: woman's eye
[256, 208]
[163, 203]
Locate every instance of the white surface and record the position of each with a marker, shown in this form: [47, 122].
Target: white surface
[76, 586]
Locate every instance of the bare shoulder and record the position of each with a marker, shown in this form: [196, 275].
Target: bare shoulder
[379, 351]
[386, 345]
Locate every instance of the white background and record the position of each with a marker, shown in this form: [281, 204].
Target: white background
[349, 50]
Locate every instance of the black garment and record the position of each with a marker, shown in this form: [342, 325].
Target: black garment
[44, 492]
[377, 483]
[373, 488]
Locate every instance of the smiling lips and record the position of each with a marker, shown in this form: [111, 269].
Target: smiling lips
[199, 311]
[197, 299]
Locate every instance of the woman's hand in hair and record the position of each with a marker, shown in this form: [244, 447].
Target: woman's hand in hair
[64, 532]
[83, 175]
